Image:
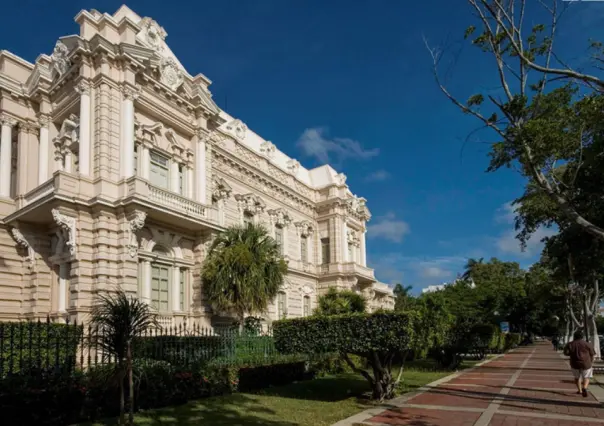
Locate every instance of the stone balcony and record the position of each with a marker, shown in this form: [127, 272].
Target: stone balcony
[298, 265]
[349, 268]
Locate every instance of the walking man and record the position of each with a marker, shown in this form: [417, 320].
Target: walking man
[581, 355]
[555, 342]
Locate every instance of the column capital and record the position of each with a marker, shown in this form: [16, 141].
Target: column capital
[83, 87]
[131, 93]
[28, 127]
[6, 120]
[201, 134]
[43, 120]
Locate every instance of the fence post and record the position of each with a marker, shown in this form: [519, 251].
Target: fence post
[39, 344]
[12, 349]
[1, 350]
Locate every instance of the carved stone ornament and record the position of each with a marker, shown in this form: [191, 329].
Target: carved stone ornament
[306, 289]
[83, 87]
[358, 206]
[22, 241]
[353, 238]
[131, 93]
[340, 179]
[293, 166]
[59, 61]
[305, 228]
[268, 149]
[152, 34]
[250, 203]
[170, 73]
[136, 224]
[67, 227]
[237, 128]
[220, 189]
[280, 217]
[5, 120]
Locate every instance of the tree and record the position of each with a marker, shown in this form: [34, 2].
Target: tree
[243, 271]
[402, 296]
[121, 318]
[340, 302]
[470, 265]
[380, 338]
[549, 118]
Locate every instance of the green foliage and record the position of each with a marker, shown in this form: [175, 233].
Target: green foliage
[340, 302]
[402, 297]
[243, 271]
[37, 345]
[512, 340]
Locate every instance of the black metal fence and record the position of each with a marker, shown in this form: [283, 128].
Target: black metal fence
[48, 345]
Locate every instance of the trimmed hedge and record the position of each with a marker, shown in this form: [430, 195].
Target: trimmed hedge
[26, 345]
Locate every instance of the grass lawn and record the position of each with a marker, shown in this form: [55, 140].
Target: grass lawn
[319, 402]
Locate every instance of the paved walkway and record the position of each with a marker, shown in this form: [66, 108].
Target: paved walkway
[530, 386]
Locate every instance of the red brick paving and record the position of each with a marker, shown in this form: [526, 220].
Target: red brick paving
[542, 390]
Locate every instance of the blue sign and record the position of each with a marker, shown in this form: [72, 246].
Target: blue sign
[505, 327]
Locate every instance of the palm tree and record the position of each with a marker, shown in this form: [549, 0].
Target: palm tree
[121, 318]
[402, 296]
[471, 264]
[243, 271]
[340, 302]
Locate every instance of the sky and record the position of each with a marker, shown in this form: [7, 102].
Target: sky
[350, 83]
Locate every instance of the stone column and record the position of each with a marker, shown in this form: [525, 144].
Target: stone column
[344, 249]
[147, 281]
[63, 271]
[25, 129]
[68, 161]
[145, 161]
[190, 179]
[83, 88]
[43, 149]
[6, 153]
[174, 181]
[175, 289]
[200, 168]
[127, 130]
[363, 249]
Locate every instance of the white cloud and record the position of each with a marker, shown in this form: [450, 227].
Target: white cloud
[435, 272]
[418, 271]
[389, 228]
[506, 214]
[377, 176]
[315, 142]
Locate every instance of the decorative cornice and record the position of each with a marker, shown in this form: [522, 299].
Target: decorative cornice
[268, 149]
[353, 238]
[136, 223]
[220, 189]
[67, 225]
[293, 166]
[237, 128]
[280, 217]
[304, 228]
[250, 203]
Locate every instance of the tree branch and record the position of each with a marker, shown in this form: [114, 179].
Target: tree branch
[357, 370]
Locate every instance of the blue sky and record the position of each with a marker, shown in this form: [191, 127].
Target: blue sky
[351, 82]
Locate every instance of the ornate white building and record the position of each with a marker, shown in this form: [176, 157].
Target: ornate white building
[117, 169]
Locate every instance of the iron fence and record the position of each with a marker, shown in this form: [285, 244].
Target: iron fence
[47, 345]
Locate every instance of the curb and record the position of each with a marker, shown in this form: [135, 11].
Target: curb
[360, 418]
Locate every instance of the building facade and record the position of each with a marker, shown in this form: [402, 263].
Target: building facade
[118, 169]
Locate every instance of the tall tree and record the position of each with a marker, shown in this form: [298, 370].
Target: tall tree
[121, 318]
[243, 272]
[549, 115]
[470, 265]
[402, 296]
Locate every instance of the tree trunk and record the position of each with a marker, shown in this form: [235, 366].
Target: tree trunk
[130, 384]
[122, 398]
[585, 317]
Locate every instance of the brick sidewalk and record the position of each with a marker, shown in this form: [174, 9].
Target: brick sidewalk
[530, 386]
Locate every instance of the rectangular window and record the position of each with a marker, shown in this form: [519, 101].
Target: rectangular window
[279, 237]
[304, 249]
[306, 306]
[181, 179]
[160, 284]
[159, 171]
[247, 218]
[325, 251]
[135, 160]
[281, 306]
[350, 253]
[183, 279]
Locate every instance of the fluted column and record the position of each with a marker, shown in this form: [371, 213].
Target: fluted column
[174, 178]
[62, 297]
[175, 289]
[200, 168]
[43, 149]
[127, 130]
[344, 249]
[147, 281]
[363, 249]
[83, 88]
[145, 161]
[6, 153]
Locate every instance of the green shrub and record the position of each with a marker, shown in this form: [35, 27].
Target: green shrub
[512, 340]
[377, 337]
[26, 345]
[339, 302]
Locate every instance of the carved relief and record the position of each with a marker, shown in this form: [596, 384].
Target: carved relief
[66, 143]
[59, 61]
[237, 128]
[280, 217]
[220, 189]
[67, 229]
[268, 149]
[353, 238]
[170, 73]
[83, 87]
[148, 132]
[131, 93]
[22, 241]
[356, 206]
[136, 224]
[293, 166]
[152, 34]
[304, 228]
[250, 203]
[306, 289]
[247, 156]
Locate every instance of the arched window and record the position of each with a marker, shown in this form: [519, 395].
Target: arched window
[306, 311]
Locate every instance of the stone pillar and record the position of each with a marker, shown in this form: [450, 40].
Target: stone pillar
[6, 153]
[145, 161]
[363, 249]
[174, 181]
[189, 181]
[63, 271]
[43, 149]
[83, 88]
[22, 156]
[344, 249]
[200, 168]
[175, 289]
[127, 131]
[68, 161]
[147, 281]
